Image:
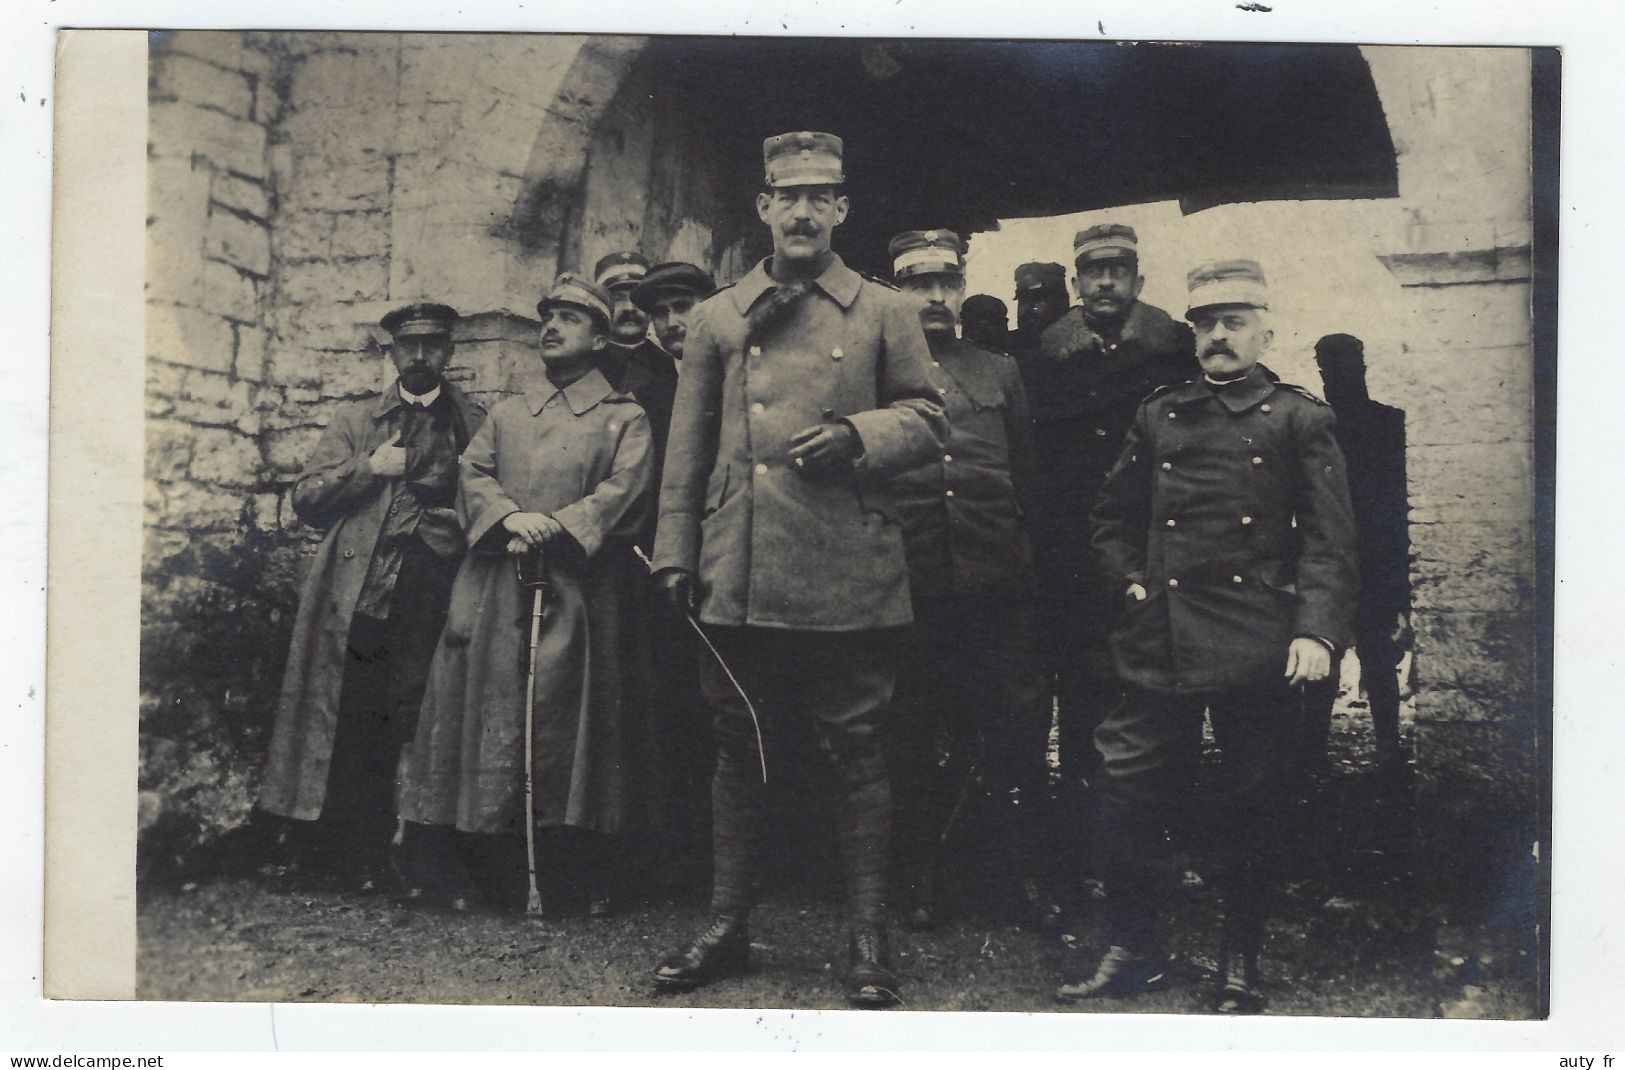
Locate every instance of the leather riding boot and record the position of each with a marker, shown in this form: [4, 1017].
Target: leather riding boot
[721, 951]
[737, 802]
[869, 979]
[1238, 964]
[863, 828]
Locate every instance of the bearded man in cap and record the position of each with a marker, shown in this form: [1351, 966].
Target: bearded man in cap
[969, 677]
[1096, 364]
[804, 389]
[558, 476]
[381, 486]
[1226, 527]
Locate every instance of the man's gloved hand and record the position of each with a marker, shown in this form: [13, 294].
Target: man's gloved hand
[674, 587]
[389, 459]
[825, 449]
[536, 529]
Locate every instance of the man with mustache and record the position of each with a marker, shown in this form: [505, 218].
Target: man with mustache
[667, 295]
[560, 473]
[631, 362]
[381, 485]
[1095, 365]
[804, 389]
[1226, 526]
[969, 678]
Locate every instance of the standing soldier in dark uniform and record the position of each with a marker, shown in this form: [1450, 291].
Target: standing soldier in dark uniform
[382, 483]
[970, 678]
[1227, 527]
[633, 364]
[1040, 301]
[1096, 364]
[1372, 436]
[804, 389]
[985, 321]
[680, 726]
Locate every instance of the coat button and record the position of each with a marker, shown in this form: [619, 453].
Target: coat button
[949, 493]
[348, 554]
[947, 458]
[1258, 460]
[1264, 407]
[1173, 582]
[756, 406]
[1171, 523]
[1100, 432]
[837, 353]
[1246, 520]
[394, 507]
[1235, 579]
[1171, 415]
[761, 469]
[755, 351]
[1166, 467]
[1112, 347]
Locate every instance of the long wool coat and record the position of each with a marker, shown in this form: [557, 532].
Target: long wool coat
[773, 547]
[1232, 510]
[336, 492]
[581, 454]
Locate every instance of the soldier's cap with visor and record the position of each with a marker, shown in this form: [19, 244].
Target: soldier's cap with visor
[1238, 283]
[425, 318]
[672, 277]
[926, 252]
[1036, 276]
[1105, 241]
[802, 158]
[986, 305]
[577, 292]
[620, 269]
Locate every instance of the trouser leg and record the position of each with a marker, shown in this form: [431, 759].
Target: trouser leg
[738, 794]
[1011, 716]
[924, 764]
[1144, 744]
[1379, 662]
[358, 813]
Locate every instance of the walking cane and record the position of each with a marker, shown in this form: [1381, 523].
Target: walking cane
[531, 578]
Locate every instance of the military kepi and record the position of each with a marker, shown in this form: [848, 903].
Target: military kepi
[1105, 241]
[673, 277]
[1038, 276]
[572, 289]
[419, 319]
[806, 158]
[926, 252]
[620, 269]
[1226, 282]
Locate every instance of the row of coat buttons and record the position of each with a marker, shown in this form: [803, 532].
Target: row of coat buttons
[835, 354]
[1172, 415]
[1170, 522]
[1175, 583]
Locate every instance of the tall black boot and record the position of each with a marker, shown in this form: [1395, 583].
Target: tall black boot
[1239, 940]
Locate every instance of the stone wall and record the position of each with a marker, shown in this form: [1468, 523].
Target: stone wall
[1461, 252]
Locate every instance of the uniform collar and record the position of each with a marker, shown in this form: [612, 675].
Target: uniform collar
[394, 397]
[840, 282]
[581, 395]
[1242, 394]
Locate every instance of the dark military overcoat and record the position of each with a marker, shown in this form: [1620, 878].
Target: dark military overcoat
[963, 512]
[1231, 507]
[771, 546]
[337, 492]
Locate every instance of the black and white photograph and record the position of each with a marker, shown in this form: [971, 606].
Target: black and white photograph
[824, 523]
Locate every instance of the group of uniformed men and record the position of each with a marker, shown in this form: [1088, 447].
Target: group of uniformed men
[885, 529]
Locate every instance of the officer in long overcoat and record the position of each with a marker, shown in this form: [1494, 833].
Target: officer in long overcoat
[1096, 364]
[1227, 527]
[563, 467]
[969, 677]
[381, 485]
[804, 389]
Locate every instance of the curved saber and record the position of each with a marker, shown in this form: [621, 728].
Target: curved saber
[755, 721]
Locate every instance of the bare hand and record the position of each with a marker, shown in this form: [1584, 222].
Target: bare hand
[389, 460]
[1136, 592]
[536, 529]
[824, 449]
[1307, 662]
[675, 588]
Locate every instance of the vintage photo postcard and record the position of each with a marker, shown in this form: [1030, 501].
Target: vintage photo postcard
[824, 523]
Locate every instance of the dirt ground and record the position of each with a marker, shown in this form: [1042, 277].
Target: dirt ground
[1351, 934]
